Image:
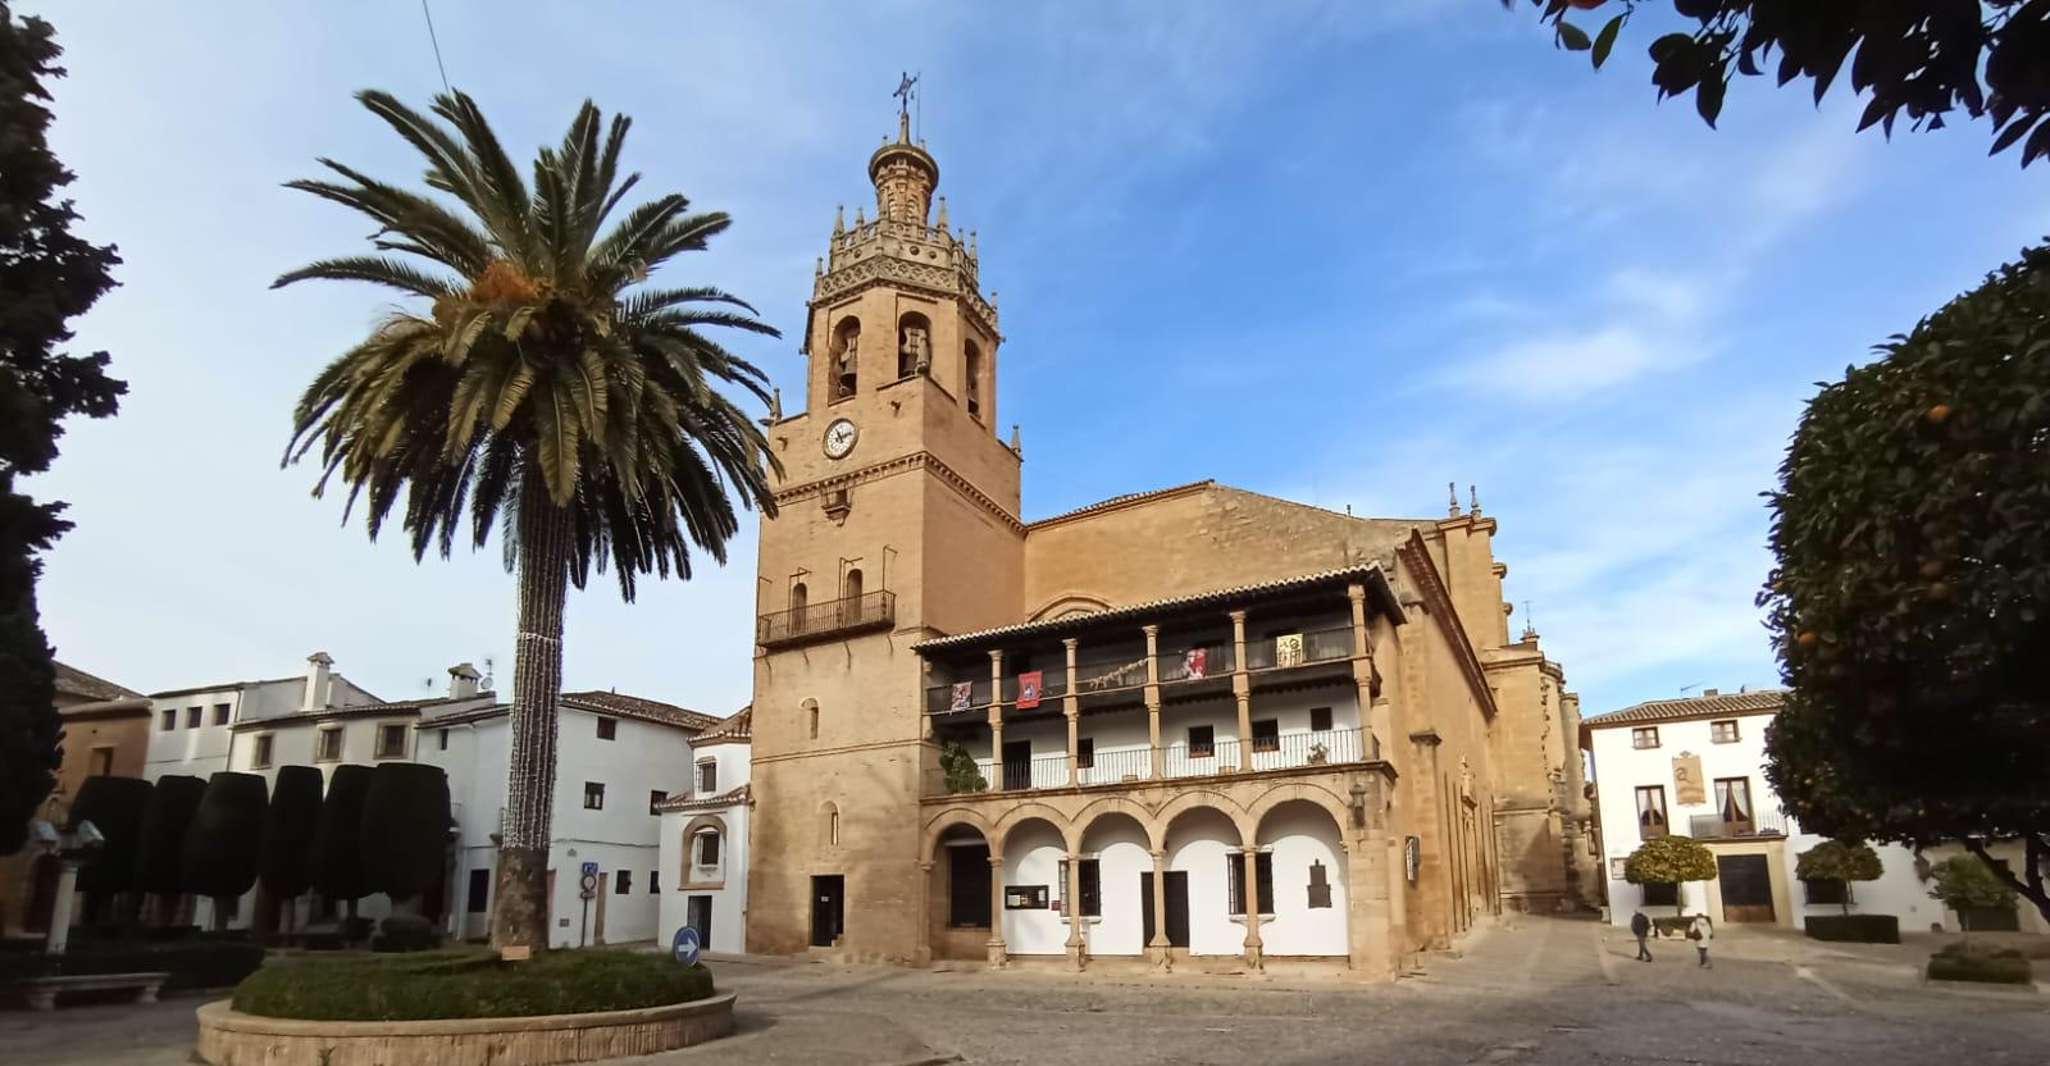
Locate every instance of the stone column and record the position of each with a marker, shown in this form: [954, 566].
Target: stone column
[996, 722]
[997, 955]
[1375, 716]
[1153, 700]
[923, 956]
[1077, 945]
[1071, 708]
[1242, 689]
[1253, 904]
[60, 909]
[1159, 947]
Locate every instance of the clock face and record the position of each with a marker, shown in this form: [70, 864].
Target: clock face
[840, 438]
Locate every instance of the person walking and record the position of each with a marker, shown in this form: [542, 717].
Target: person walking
[1640, 927]
[1701, 931]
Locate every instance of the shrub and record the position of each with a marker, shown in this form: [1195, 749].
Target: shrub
[467, 983]
[286, 866]
[115, 806]
[1669, 859]
[160, 860]
[1855, 928]
[337, 840]
[960, 770]
[404, 828]
[1964, 961]
[406, 932]
[1839, 860]
[1964, 883]
[191, 963]
[225, 839]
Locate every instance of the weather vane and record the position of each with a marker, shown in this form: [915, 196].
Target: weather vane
[905, 82]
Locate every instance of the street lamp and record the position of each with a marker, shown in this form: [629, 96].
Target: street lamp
[73, 848]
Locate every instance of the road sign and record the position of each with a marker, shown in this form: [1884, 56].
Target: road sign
[686, 946]
[590, 869]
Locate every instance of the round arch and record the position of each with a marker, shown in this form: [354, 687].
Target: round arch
[1205, 800]
[1029, 812]
[1106, 806]
[1069, 603]
[1338, 807]
[936, 829]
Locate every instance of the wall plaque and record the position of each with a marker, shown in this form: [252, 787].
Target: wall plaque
[1688, 787]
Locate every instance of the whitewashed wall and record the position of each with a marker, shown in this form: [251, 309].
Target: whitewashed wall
[1032, 856]
[1201, 842]
[1296, 835]
[1119, 847]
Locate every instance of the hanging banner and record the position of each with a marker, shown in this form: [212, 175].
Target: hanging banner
[1196, 662]
[1288, 649]
[964, 693]
[1028, 688]
[1688, 787]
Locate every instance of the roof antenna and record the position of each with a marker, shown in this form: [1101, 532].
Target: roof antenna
[436, 42]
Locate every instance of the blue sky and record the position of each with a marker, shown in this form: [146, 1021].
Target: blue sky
[1343, 253]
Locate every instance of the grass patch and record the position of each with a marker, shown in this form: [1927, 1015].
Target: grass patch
[466, 983]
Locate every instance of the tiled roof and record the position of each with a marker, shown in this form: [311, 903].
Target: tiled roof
[71, 681]
[1119, 501]
[1361, 570]
[737, 794]
[636, 707]
[1760, 701]
[739, 727]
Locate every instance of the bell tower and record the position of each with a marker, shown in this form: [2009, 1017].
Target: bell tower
[897, 520]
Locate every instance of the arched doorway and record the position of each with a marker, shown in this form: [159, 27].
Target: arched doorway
[1034, 850]
[1202, 845]
[1117, 884]
[1302, 860]
[959, 893]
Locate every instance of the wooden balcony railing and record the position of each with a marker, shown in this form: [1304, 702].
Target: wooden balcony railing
[820, 621]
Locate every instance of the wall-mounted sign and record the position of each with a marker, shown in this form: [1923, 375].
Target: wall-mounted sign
[1688, 786]
[1288, 649]
[1412, 857]
[1026, 897]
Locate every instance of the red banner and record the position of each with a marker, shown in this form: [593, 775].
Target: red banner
[1028, 688]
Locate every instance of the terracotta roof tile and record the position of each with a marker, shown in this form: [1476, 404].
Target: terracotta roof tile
[739, 727]
[737, 794]
[71, 681]
[1119, 501]
[1760, 701]
[637, 707]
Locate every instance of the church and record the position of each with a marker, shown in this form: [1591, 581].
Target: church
[1194, 727]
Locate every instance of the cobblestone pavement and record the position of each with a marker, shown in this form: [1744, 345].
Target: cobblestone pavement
[1533, 991]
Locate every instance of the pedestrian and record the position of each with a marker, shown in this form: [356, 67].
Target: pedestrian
[1640, 927]
[1701, 932]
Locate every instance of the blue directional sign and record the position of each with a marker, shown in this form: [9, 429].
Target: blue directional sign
[686, 946]
[590, 869]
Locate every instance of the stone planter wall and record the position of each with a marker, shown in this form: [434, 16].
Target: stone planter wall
[230, 1038]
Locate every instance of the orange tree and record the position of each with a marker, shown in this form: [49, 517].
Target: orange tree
[1670, 860]
[1910, 604]
[1923, 58]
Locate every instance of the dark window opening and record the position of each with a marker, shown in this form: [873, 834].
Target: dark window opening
[1202, 741]
[1085, 753]
[622, 882]
[1267, 735]
[1320, 719]
[1263, 874]
[968, 876]
[479, 899]
[608, 728]
[655, 798]
[220, 714]
[594, 796]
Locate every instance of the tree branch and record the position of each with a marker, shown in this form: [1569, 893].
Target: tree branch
[2032, 850]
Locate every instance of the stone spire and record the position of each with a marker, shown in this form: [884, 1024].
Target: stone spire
[839, 219]
[905, 176]
[1452, 499]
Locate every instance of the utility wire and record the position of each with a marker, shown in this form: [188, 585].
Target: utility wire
[436, 42]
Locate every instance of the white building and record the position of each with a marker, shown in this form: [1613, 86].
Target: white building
[617, 758]
[705, 838]
[1696, 767]
[194, 731]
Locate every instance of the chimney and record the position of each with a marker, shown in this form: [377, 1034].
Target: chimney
[318, 686]
[1711, 692]
[462, 681]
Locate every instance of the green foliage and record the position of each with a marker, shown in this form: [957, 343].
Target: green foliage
[1926, 58]
[1669, 859]
[191, 963]
[50, 277]
[406, 932]
[1854, 928]
[338, 838]
[1964, 882]
[1838, 860]
[538, 361]
[467, 983]
[116, 807]
[289, 825]
[224, 843]
[1966, 961]
[1908, 603]
[160, 862]
[962, 775]
[405, 828]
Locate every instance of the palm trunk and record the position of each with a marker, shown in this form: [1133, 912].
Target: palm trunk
[520, 919]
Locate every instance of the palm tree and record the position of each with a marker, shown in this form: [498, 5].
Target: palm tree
[537, 387]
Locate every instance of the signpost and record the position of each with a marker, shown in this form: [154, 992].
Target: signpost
[587, 891]
[686, 946]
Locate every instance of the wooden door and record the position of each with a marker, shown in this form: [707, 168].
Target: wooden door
[699, 917]
[1176, 889]
[1017, 764]
[1747, 887]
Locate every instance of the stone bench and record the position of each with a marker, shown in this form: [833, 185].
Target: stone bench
[42, 991]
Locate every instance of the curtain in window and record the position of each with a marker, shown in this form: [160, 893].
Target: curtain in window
[1733, 799]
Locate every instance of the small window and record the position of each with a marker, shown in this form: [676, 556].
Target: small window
[170, 719]
[594, 796]
[1651, 811]
[1826, 891]
[329, 747]
[1202, 741]
[708, 777]
[192, 717]
[608, 728]
[1085, 753]
[1092, 887]
[1644, 736]
[1661, 894]
[850, 586]
[1320, 719]
[1267, 734]
[813, 708]
[622, 882]
[441, 737]
[262, 756]
[655, 798]
[1723, 732]
[391, 741]
[833, 827]
[103, 763]
[220, 714]
[1263, 872]
[654, 882]
[708, 849]
[479, 899]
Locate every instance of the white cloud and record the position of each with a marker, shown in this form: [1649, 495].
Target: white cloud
[1565, 366]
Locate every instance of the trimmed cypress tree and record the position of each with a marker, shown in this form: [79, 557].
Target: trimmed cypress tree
[338, 840]
[116, 807]
[405, 828]
[160, 860]
[225, 840]
[289, 827]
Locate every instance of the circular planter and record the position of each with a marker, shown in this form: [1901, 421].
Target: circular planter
[230, 1038]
